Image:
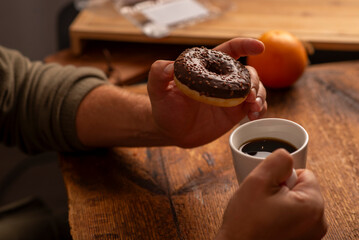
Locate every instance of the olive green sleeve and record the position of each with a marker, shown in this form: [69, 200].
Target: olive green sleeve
[38, 102]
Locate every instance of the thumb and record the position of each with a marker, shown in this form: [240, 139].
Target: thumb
[161, 73]
[276, 168]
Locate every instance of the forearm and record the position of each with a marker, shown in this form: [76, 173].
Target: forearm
[111, 116]
[38, 102]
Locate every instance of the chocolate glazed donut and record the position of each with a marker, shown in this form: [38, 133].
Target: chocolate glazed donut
[212, 77]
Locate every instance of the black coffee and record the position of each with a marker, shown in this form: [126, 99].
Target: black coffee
[262, 147]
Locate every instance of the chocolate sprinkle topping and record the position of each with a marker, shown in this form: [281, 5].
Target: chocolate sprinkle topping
[212, 73]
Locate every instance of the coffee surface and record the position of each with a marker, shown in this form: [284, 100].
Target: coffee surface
[262, 147]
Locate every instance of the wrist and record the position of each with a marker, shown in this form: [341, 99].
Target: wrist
[110, 116]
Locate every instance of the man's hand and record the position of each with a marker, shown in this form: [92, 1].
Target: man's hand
[263, 208]
[188, 123]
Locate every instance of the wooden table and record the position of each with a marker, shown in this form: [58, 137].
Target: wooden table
[327, 25]
[124, 63]
[173, 193]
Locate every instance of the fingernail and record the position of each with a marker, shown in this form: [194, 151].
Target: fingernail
[259, 101]
[252, 96]
[292, 180]
[169, 69]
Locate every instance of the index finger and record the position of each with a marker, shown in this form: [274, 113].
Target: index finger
[238, 47]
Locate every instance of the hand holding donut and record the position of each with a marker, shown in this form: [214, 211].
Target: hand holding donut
[188, 122]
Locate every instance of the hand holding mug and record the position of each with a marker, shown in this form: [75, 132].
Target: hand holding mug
[263, 209]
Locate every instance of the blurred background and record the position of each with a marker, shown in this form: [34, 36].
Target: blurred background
[31, 26]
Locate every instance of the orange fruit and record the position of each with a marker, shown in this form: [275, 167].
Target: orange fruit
[283, 60]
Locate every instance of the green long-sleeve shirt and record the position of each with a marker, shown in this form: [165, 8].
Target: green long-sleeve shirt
[38, 102]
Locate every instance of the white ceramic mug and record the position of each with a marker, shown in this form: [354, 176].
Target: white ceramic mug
[275, 128]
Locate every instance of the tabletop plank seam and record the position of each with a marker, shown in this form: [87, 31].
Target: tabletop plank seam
[173, 210]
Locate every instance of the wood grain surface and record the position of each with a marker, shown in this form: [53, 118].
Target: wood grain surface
[329, 25]
[174, 193]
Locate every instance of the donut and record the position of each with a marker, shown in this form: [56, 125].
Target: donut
[211, 77]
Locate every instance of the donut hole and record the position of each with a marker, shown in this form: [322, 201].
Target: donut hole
[217, 67]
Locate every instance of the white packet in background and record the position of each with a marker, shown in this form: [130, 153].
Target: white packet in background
[158, 18]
